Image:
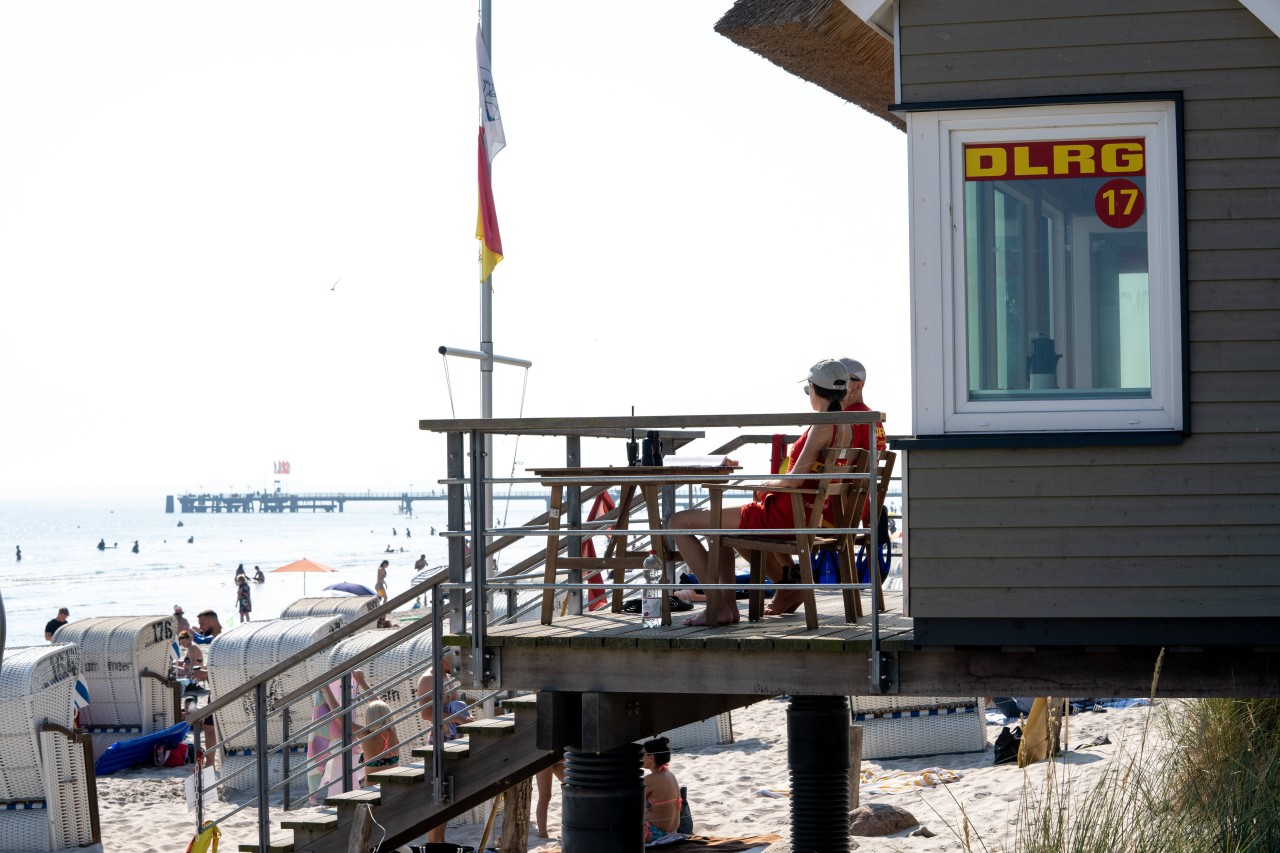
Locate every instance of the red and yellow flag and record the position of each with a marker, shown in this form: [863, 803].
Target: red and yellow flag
[492, 140]
[487, 218]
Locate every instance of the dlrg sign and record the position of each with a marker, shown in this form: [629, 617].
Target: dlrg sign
[1089, 158]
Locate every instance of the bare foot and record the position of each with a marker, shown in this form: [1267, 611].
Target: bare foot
[542, 832]
[727, 616]
[784, 601]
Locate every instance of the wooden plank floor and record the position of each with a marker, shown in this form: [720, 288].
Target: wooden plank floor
[607, 630]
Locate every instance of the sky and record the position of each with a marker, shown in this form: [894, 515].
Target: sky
[237, 233]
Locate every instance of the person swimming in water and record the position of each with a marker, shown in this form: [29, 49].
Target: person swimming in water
[102, 544]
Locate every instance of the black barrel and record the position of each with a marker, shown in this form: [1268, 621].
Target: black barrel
[818, 755]
[602, 807]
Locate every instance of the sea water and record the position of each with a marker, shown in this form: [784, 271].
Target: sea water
[61, 565]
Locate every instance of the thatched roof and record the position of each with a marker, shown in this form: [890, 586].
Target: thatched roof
[820, 41]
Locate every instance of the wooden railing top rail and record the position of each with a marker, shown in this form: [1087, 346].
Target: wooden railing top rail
[620, 427]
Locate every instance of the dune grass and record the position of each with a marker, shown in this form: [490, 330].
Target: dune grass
[1211, 784]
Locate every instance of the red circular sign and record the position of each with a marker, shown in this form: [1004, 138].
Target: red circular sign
[1119, 203]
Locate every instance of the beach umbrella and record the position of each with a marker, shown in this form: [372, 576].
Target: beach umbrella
[304, 565]
[350, 588]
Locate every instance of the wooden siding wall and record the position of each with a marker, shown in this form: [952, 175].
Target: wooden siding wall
[1186, 531]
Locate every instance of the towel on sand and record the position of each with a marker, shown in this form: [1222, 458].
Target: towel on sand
[901, 781]
[722, 844]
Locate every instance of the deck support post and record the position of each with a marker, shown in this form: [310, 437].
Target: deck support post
[818, 755]
[603, 801]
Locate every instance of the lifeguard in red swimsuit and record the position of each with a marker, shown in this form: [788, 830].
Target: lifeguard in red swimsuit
[826, 385]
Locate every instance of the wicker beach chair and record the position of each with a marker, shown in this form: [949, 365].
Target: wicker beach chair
[240, 654]
[124, 661]
[392, 662]
[45, 799]
[910, 726]
[346, 607]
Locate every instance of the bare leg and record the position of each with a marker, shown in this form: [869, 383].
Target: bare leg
[785, 600]
[544, 794]
[694, 553]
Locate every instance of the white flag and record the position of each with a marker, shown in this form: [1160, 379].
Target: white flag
[490, 118]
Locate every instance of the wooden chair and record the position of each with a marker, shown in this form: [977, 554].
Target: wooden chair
[848, 496]
[885, 460]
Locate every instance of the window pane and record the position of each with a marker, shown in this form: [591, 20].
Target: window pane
[1056, 290]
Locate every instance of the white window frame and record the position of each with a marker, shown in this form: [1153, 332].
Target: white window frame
[939, 340]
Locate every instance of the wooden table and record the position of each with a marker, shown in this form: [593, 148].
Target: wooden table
[646, 479]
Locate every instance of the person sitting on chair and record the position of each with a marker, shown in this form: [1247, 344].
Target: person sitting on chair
[825, 388]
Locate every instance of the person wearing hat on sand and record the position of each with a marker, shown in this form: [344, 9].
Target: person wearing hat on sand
[179, 620]
[825, 387]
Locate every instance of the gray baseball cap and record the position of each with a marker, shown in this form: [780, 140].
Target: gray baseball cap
[829, 374]
[855, 368]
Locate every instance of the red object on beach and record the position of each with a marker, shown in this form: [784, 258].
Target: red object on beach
[304, 565]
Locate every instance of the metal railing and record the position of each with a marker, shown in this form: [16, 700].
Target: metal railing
[465, 446]
[297, 705]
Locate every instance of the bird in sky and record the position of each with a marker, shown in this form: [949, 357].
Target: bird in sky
[335, 284]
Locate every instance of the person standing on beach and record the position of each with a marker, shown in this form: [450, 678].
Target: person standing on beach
[19, 553]
[244, 601]
[55, 623]
[380, 585]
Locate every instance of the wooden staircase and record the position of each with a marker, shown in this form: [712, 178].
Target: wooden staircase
[496, 754]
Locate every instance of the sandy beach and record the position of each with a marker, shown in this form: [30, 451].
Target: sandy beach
[144, 810]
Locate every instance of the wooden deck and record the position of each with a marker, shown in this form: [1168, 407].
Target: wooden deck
[604, 629]
[612, 653]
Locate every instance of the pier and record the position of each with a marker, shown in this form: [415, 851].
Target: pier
[336, 501]
[310, 501]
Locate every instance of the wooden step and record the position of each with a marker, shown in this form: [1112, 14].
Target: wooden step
[282, 843]
[372, 796]
[320, 823]
[454, 750]
[409, 774]
[497, 727]
[307, 829]
[520, 704]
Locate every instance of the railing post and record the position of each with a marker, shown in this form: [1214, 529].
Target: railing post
[264, 776]
[195, 744]
[457, 523]
[875, 670]
[479, 616]
[348, 766]
[573, 513]
[437, 683]
[284, 754]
